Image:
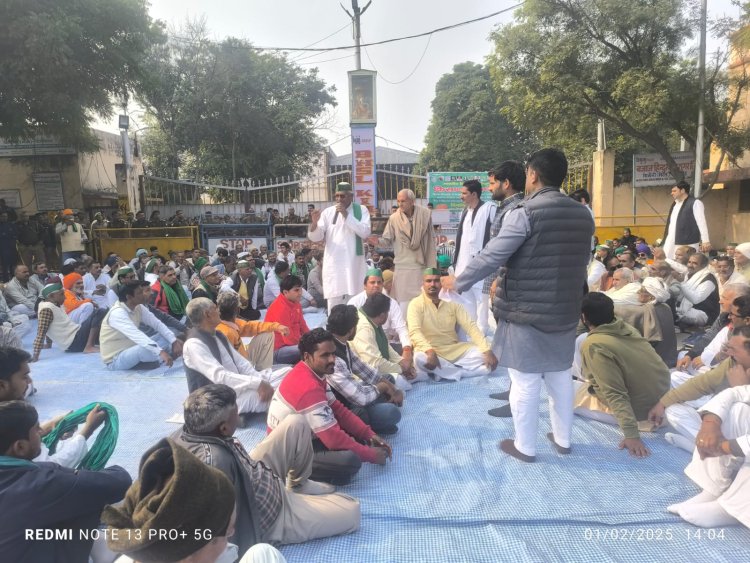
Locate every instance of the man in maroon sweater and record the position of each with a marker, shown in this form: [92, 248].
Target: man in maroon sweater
[286, 309]
[341, 440]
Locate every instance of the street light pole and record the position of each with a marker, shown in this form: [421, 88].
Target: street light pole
[355, 15]
[698, 181]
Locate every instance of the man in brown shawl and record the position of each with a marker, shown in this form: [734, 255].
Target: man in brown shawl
[410, 231]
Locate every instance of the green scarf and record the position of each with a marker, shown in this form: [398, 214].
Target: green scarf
[209, 290]
[7, 461]
[296, 270]
[357, 212]
[380, 337]
[261, 279]
[176, 299]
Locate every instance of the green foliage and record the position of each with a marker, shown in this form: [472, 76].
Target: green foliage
[468, 131]
[564, 64]
[63, 61]
[222, 111]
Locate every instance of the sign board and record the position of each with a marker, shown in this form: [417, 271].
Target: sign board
[364, 175]
[444, 193]
[651, 170]
[49, 191]
[42, 146]
[298, 244]
[362, 97]
[231, 243]
[12, 198]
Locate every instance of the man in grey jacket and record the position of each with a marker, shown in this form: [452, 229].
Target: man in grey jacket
[545, 244]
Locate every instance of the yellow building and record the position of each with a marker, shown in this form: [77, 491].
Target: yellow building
[43, 175]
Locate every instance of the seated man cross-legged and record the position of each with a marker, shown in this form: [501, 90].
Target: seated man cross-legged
[259, 351]
[286, 310]
[341, 440]
[276, 501]
[210, 358]
[56, 326]
[373, 397]
[721, 463]
[371, 342]
[681, 403]
[123, 344]
[432, 329]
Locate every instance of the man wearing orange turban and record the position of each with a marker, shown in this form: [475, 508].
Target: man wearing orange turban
[78, 308]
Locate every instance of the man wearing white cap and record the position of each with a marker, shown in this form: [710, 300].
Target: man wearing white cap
[742, 259]
[344, 228]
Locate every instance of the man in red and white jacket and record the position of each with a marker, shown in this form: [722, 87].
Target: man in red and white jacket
[341, 440]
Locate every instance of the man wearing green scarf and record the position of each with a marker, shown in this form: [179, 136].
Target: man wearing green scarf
[371, 342]
[167, 293]
[344, 228]
[209, 284]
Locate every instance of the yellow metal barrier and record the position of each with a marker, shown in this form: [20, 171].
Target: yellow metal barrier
[125, 242]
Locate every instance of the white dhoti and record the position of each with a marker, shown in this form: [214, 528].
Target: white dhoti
[727, 476]
[471, 364]
[81, 313]
[21, 324]
[684, 417]
[22, 309]
[524, 405]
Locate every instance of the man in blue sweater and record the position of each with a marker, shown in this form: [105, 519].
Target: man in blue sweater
[47, 511]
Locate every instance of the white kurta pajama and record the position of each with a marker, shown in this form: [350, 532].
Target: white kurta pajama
[529, 354]
[728, 476]
[343, 270]
[473, 230]
[699, 214]
[234, 371]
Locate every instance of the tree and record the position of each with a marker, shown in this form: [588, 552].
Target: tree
[224, 111]
[563, 64]
[63, 61]
[467, 130]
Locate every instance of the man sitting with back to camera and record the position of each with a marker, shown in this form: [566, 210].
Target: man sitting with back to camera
[623, 374]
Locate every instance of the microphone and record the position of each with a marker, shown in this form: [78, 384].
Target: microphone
[335, 217]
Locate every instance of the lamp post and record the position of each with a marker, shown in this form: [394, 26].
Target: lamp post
[698, 181]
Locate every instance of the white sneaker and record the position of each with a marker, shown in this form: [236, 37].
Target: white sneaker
[311, 487]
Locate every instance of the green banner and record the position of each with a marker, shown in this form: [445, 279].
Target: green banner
[444, 193]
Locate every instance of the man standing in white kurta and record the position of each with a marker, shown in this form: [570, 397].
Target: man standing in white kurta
[344, 229]
[473, 234]
[686, 222]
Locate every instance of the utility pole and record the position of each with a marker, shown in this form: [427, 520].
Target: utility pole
[698, 181]
[355, 15]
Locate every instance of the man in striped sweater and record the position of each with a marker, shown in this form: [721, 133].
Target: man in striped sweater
[341, 440]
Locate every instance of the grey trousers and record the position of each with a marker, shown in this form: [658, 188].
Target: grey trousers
[288, 451]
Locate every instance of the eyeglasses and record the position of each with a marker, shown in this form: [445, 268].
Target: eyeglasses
[733, 316]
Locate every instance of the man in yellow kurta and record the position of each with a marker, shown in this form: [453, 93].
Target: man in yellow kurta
[432, 329]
